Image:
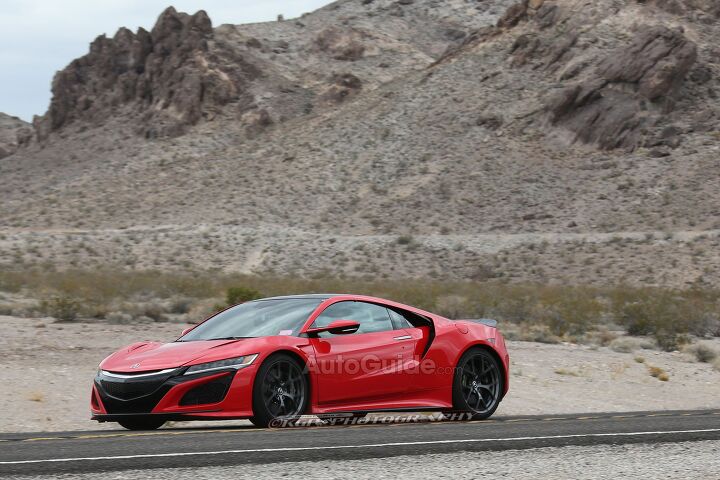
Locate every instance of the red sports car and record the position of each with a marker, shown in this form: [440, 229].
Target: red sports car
[287, 356]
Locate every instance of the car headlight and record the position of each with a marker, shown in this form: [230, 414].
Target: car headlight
[236, 363]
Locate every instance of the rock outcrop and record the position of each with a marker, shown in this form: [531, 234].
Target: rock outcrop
[514, 14]
[343, 87]
[340, 44]
[13, 134]
[618, 102]
[167, 77]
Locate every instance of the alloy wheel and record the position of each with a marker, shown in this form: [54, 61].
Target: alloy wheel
[480, 383]
[283, 389]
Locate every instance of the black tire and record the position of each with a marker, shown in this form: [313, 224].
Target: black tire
[142, 423]
[478, 384]
[280, 390]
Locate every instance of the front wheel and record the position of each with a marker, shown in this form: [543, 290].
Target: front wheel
[478, 384]
[280, 390]
[142, 423]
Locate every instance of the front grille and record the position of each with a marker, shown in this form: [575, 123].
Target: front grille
[139, 405]
[130, 390]
[141, 395]
[212, 392]
[134, 395]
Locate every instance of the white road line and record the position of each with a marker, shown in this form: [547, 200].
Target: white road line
[370, 445]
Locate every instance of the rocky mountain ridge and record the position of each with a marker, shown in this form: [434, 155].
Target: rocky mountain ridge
[183, 70]
[585, 131]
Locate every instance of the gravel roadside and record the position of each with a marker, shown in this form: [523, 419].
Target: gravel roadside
[688, 460]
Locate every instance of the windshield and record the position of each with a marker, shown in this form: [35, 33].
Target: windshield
[256, 319]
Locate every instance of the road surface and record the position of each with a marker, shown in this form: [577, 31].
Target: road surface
[103, 451]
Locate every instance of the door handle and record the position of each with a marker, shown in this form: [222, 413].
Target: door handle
[403, 337]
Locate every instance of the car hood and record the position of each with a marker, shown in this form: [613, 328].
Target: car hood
[147, 356]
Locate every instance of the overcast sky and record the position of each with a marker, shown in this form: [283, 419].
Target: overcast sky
[39, 37]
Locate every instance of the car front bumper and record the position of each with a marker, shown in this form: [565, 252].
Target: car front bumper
[220, 394]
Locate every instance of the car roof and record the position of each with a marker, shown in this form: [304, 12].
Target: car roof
[318, 296]
[349, 297]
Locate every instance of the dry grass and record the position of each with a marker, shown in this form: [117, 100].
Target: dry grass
[640, 359]
[658, 373]
[36, 396]
[568, 372]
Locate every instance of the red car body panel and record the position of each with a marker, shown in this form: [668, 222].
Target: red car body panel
[396, 382]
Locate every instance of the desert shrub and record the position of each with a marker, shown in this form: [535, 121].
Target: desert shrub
[63, 308]
[624, 345]
[453, 306]
[203, 309]
[666, 315]
[532, 333]
[702, 352]
[235, 295]
[119, 318]
[670, 341]
[180, 305]
[602, 337]
[648, 343]
[154, 310]
[11, 281]
[567, 312]
[405, 240]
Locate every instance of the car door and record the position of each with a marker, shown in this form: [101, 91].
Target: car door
[419, 328]
[364, 366]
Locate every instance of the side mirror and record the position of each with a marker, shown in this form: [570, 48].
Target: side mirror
[337, 327]
[186, 331]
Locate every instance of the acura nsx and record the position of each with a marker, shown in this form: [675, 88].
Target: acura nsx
[283, 357]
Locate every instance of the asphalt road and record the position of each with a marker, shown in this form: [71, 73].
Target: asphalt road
[99, 451]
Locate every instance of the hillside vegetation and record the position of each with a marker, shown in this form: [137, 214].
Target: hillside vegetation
[529, 312]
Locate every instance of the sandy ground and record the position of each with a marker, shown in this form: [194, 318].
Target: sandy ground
[48, 369]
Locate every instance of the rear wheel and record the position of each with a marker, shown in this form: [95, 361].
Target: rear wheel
[280, 390]
[142, 423]
[478, 384]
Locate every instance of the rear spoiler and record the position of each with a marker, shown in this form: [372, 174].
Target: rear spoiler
[485, 321]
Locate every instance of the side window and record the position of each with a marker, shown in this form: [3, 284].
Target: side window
[372, 318]
[399, 320]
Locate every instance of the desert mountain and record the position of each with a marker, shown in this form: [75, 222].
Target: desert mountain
[560, 140]
[13, 133]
